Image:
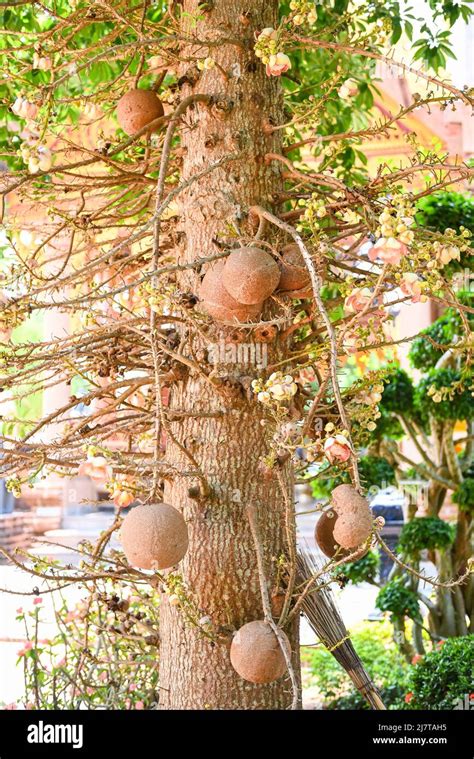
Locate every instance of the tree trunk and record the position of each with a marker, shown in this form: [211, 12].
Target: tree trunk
[219, 571]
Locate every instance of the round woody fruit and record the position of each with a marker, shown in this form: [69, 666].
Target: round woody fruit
[324, 537]
[354, 518]
[137, 108]
[324, 534]
[217, 302]
[250, 275]
[154, 536]
[256, 655]
[294, 273]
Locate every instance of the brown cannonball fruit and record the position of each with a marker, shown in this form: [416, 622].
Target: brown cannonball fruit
[324, 537]
[137, 108]
[217, 302]
[324, 534]
[294, 273]
[250, 275]
[255, 653]
[154, 536]
[354, 518]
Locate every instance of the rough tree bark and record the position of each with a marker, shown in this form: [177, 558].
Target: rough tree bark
[220, 566]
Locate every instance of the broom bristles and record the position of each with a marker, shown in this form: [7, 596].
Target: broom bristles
[319, 608]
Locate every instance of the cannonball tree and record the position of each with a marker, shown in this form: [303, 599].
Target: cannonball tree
[119, 205]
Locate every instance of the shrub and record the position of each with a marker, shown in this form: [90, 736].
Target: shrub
[448, 210]
[425, 532]
[396, 598]
[375, 471]
[464, 495]
[423, 353]
[398, 392]
[388, 426]
[445, 394]
[444, 677]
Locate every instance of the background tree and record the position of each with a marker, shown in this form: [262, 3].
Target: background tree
[120, 230]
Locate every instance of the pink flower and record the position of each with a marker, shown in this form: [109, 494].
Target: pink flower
[96, 468]
[37, 601]
[27, 647]
[372, 324]
[127, 703]
[132, 687]
[389, 250]
[103, 676]
[408, 698]
[11, 707]
[122, 499]
[278, 64]
[416, 658]
[19, 610]
[440, 644]
[24, 109]
[307, 375]
[412, 285]
[41, 63]
[139, 705]
[337, 449]
[358, 299]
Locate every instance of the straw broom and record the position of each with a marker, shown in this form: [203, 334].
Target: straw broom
[319, 608]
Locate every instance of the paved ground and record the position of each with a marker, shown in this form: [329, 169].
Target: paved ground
[355, 603]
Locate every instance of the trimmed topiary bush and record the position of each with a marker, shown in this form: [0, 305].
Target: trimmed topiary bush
[464, 495]
[424, 351]
[375, 471]
[444, 678]
[398, 392]
[425, 532]
[448, 210]
[445, 394]
[396, 598]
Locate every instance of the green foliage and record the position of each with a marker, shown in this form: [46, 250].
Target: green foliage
[425, 532]
[423, 354]
[446, 210]
[396, 598]
[97, 69]
[449, 210]
[397, 398]
[27, 407]
[376, 472]
[445, 394]
[388, 426]
[398, 392]
[323, 485]
[327, 71]
[374, 644]
[444, 678]
[362, 570]
[464, 495]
